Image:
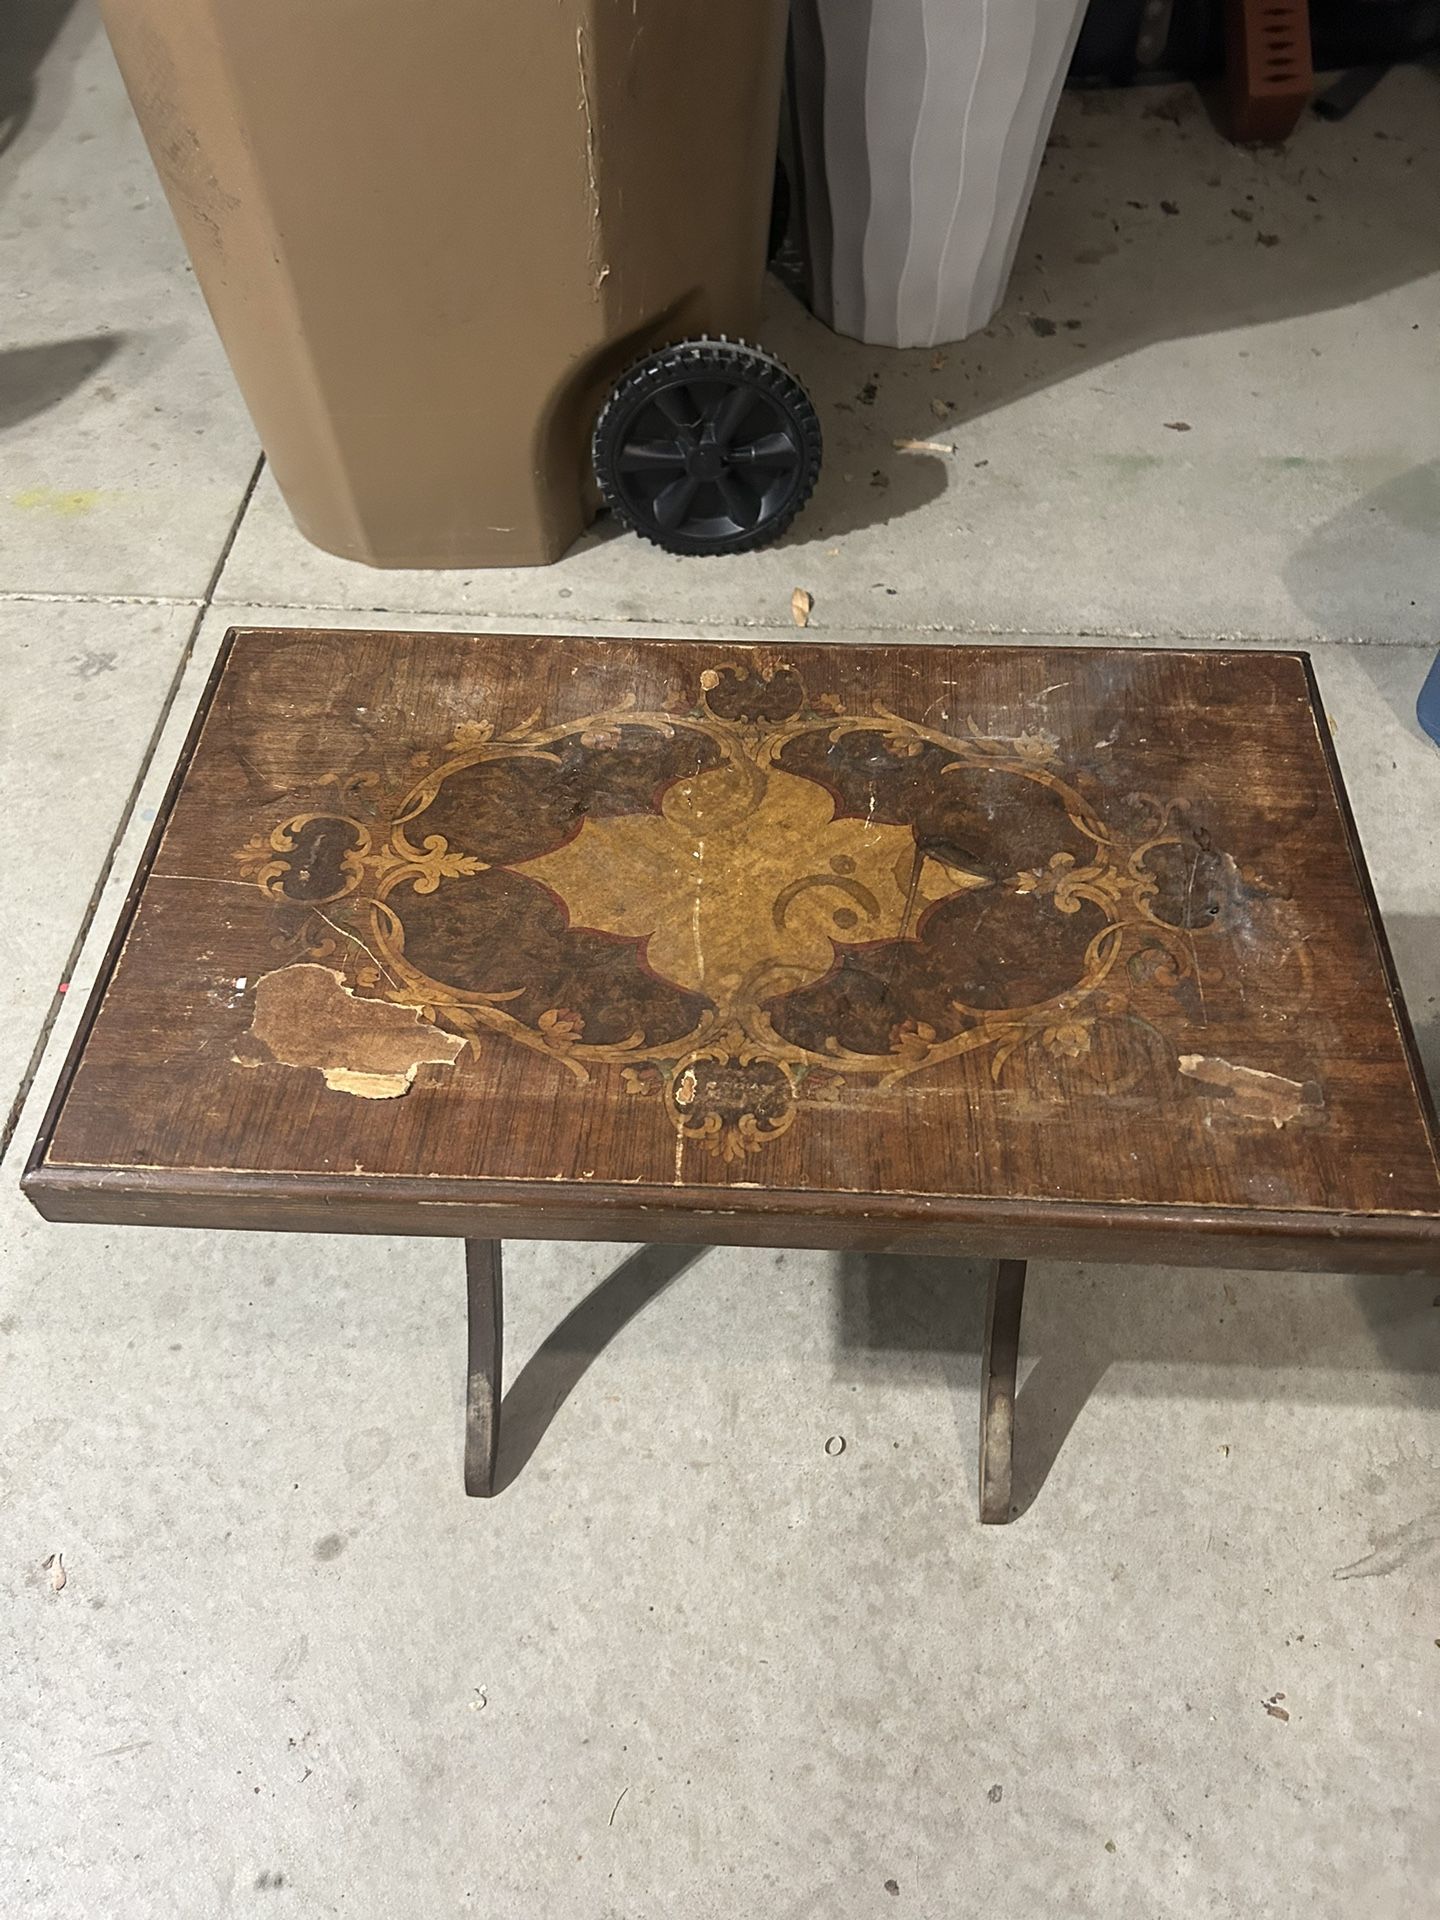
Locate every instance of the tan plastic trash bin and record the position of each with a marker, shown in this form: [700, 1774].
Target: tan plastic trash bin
[433, 232]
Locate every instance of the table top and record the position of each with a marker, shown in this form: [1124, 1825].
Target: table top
[1006, 949]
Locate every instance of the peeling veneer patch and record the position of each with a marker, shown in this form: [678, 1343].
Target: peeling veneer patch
[1257, 1095]
[306, 1016]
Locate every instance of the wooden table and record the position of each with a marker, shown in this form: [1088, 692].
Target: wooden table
[1002, 951]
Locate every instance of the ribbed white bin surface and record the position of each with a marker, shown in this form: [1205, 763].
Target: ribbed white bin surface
[920, 125]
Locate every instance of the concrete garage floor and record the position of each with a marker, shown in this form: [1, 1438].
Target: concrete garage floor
[688, 1664]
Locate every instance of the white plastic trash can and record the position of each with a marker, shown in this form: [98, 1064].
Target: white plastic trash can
[918, 128]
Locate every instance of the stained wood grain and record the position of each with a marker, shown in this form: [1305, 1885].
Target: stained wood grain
[1011, 949]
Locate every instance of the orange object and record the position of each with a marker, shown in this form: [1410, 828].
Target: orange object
[1269, 74]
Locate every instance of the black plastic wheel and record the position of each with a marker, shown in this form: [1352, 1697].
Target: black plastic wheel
[710, 446]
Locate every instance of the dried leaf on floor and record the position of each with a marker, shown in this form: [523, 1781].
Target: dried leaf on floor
[800, 604]
[55, 1567]
[938, 361]
[941, 409]
[1273, 1707]
[923, 446]
[1178, 426]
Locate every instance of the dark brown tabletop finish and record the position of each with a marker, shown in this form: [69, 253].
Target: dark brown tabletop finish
[1009, 951]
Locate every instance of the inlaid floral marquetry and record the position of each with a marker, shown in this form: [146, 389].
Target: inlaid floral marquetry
[870, 938]
[752, 900]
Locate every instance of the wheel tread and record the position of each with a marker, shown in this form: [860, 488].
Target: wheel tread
[683, 357]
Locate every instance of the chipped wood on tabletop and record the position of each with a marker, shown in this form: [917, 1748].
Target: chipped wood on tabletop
[1010, 950]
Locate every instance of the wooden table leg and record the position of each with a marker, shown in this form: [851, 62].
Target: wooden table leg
[482, 1379]
[1003, 1303]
